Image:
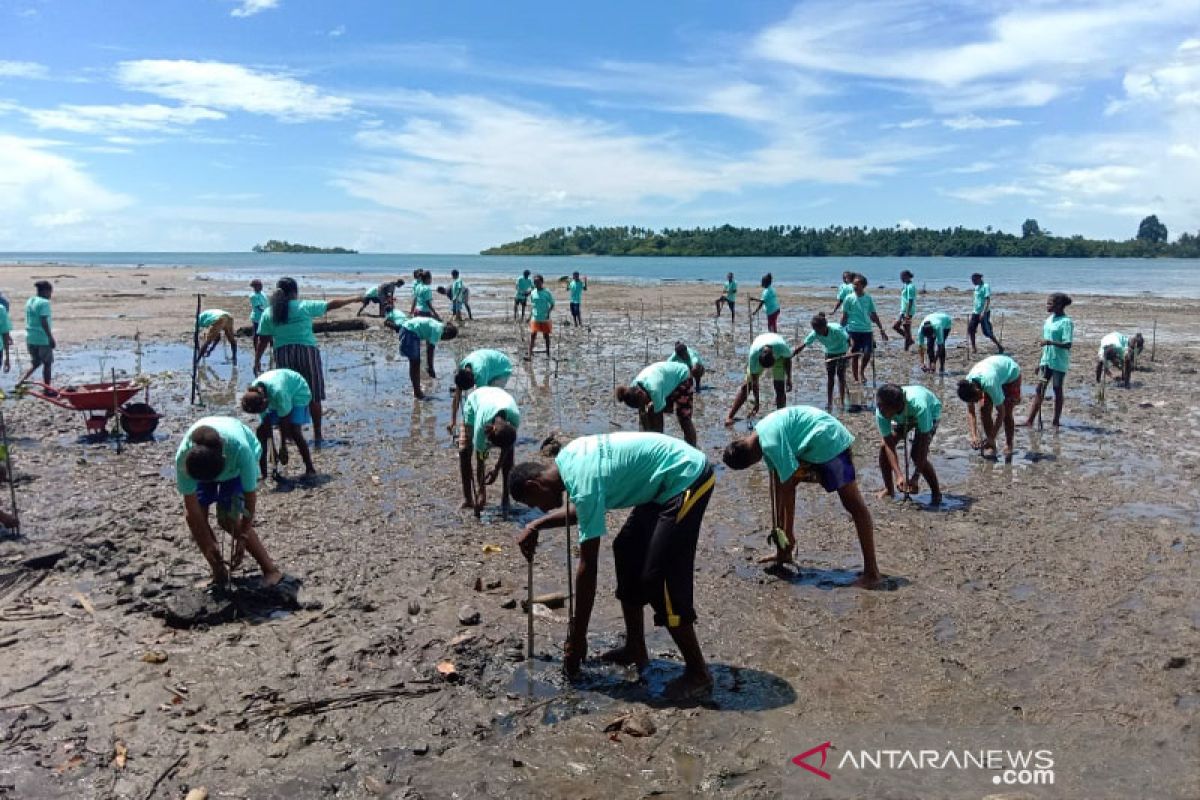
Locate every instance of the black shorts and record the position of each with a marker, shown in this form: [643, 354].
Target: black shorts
[655, 553]
[983, 320]
[862, 342]
[836, 365]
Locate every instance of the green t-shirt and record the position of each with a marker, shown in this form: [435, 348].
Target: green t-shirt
[576, 288]
[1119, 341]
[770, 300]
[844, 291]
[207, 318]
[298, 328]
[922, 410]
[660, 379]
[941, 323]
[992, 374]
[427, 329]
[779, 347]
[693, 357]
[731, 291]
[481, 407]
[982, 293]
[258, 304]
[396, 316]
[622, 470]
[286, 390]
[1057, 329]
[239, 446]
[36, 308]
[908, 299]
[836, 341]
[5, 322]
[372, 293]
[456, 290]
[524, 287]
[540, 304]
[423, 294]
[800, 434]
[858, 310]
[487, 365]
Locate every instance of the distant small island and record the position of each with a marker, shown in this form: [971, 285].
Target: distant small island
[276, 246]
[840, 241]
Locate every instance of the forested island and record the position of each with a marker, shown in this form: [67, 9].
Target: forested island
[1150, 241]
[276, 246]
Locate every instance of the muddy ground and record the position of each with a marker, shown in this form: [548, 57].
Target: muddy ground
[1056, 599]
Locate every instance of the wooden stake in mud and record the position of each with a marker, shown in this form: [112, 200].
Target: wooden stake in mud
[529, 614]
[1153, 340]
[750, 317]
[907, 496]
[1000, 338]
[116, 410]
[570, 568]
[8, 469]
[196, 349]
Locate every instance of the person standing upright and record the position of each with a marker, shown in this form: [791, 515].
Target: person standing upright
[39, 338]
[981, 313]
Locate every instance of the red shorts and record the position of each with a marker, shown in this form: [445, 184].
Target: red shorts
[1012, 391]
[540, 327]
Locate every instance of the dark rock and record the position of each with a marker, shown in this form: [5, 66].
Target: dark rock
[45, 558]
[1176, 662]
[509, 603]
[469, 616]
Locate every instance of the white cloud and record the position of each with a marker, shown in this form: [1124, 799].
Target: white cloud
[249, 8]
[22, 69]
[973, 168]
[42, 189]
[906, 225]
[972, 122]
[340, 30]
[910, 124]
[214, 84]
[108, 119]
[993, 192]
[1174, 83]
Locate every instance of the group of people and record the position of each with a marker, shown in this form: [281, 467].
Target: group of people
[665, 481]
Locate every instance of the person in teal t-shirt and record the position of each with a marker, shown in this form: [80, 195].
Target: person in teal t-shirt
[422, 299]
[483, 367]
[836, 342]
[805, 444]
[981, 313]
[541, 303]
[900, 411]
[995, 384]
[258, 304]
[6, 336]
[575, 289]
[458, 294]
[282, 398]
[728, 297]
[1121, 352]
[383, 295]
[668, 484]
[858, 312]
[1058, 332]
[490, 417]
[413, 331]
[908, 308]
[521, 298]
[39, 339]
[661, 387]
[933, 332]
[218, 323]
[769, 301]
[217, 462]
[767, 350]
[845, 290]
[684, 354]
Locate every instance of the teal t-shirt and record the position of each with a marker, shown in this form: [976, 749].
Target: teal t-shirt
[1057, 329]
[286, 390]
[992, 374]
[424, 296]
[487, 365]
[298, 328]
[36, 308]
[396, 316]
[207, 318]
[427, 329]
[524, 287]
[908, 299]
[858, 310]
[540, 304]
[660, 379]
[622, 470]
[693, 357]
[844, 291]
[372, 293]
[800, 434]
[941, 323]
[456, 290]
[1119, 341]
[576, 289]
[258, 304]
[770, 300]
[779, 347]
[982, 293]
[835, 341]
[5, 322]
[922, 410]
[731, 291]
[481, 407]
[239, 446]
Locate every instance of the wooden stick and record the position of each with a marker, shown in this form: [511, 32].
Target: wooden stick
[163, 775]
[529, 617]
[8, 467]
[196, 349]
[570, 568]
[1153, 340]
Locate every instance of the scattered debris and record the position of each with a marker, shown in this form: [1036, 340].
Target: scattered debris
[154, 657]
[634, 723]
[120, 754]
[469, 616]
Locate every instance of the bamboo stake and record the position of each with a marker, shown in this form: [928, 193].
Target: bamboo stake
[196, 349]
[1153, 340]
[12, 486]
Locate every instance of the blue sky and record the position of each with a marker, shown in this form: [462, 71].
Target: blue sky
[421, 127]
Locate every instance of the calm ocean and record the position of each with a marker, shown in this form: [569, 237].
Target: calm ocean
[1125, 277]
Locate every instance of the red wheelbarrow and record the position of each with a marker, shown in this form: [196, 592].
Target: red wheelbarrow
[99, 402]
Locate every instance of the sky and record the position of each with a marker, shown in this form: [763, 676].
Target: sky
[420, 127]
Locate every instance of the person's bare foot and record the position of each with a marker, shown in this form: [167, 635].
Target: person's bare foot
[689, 686]
[271, 578]
[419, 395]
[238, 555]
[885, 493]
[310, 472]
[626, 657]
[871, 581]
[729, 422]
[935, 499]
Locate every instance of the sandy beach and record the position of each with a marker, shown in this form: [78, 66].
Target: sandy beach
[1054, 599]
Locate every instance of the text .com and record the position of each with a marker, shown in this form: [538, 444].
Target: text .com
[1009, 767]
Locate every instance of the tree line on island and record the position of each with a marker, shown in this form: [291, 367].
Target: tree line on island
[277, 246]
[838, 240]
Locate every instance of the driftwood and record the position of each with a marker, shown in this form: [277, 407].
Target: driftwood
[317, 706]
[321, 326]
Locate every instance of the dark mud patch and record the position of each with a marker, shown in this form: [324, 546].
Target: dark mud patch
[245, 600]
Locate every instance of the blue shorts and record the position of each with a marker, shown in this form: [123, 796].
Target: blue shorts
[836, 472]
[862, 342]
[983, 320]
[298, 416]
[1051, 376]
[574, 309]
[228, 496]
[410, 345]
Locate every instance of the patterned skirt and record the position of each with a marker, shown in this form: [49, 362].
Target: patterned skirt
[306, 360]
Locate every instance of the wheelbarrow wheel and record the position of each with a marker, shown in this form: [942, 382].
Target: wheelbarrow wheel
[138, 420]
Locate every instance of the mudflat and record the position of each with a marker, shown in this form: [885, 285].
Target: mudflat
[1053, 599]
